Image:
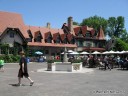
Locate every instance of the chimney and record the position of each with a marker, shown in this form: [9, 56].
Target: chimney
[48, 25]
[70, 24]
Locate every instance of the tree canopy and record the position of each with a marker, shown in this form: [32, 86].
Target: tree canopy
[121, 45]
[96, 22]
[115, 26]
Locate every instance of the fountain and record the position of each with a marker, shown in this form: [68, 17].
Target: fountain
[65, 65]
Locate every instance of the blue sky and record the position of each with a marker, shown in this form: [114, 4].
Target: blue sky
[39, 12]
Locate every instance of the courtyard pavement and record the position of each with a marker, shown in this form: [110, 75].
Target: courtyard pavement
[89, 82]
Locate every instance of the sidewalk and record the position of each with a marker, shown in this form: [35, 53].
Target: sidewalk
[96, 83]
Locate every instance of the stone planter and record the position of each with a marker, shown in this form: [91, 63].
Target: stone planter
[50, 66]
[76, 66]
[64, 66]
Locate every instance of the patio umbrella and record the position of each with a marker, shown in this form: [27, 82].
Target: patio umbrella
[123, 52]
[38, 53]
[70, 51]
[63, 53]
[67, 52]
[74, 53]
[84, 52]
[96, 52]
[106, 52]
[118, 52]
[112, 52]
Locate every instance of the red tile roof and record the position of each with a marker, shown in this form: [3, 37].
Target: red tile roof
[51, 44]
[47, 34]
[92, 32]
[37, 33]
[70, 37]
[43, 30]
[63, 36]
[101, 34]
[84, 29]
[76, 30]
[55, 35]
[12, 20]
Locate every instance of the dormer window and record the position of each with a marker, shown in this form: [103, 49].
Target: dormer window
[30, 36]
[73, 41]
[57, 39]
[65, 41]
[80, 33]
[30, 33]
[48, 38]
[64, 38]
[38, 37]
[12, 34]
[88, 34]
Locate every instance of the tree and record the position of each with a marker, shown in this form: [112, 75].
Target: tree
[124, 36]
[75, 23]
[96, 22]
[5, 48]
[115, 26]
[120, 45]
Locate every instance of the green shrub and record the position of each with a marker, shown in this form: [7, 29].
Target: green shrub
[76, 60]
[52, 61]
[49, 61]
[15, 58]
[10, 58]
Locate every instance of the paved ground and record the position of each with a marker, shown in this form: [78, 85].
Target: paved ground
[92, 83]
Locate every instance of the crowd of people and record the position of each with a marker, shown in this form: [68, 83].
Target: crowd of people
[108, 62]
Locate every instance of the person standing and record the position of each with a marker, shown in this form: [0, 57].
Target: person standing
[107, 65]
[23, 70]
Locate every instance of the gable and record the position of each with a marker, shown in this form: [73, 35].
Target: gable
[12, 20]
[38, 34]
[18, 37]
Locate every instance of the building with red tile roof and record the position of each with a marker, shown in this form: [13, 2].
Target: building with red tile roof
[45, 39]
[87, 39]
[50, 41]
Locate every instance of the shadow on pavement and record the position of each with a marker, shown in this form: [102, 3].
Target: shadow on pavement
[17, 85]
